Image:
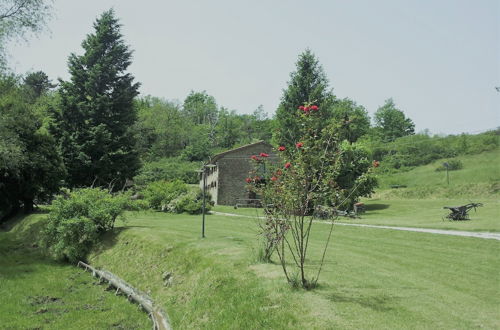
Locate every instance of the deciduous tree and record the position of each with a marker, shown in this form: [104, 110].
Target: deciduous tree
[392, 122]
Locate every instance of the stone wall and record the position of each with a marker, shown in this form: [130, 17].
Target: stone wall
[233, 168]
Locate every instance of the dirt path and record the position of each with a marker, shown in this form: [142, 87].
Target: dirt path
[484, 235]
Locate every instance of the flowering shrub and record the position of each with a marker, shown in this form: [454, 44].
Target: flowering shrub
[306, 177]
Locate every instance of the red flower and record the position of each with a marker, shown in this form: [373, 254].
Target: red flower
[273, 178]
[281, 148]
[255, 158]
[248, 180]
[279, 172]
[314, 108]
[306, 109]
[376, 163]
[301, 107]
[299, 145]
[262, 154]
[287, 165]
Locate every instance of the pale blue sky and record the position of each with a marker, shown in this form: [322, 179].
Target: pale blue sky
[439, 60]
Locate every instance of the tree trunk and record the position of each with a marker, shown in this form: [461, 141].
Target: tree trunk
[28, 205]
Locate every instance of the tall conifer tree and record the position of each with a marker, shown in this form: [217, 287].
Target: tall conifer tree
[96, 116]
[307, 84]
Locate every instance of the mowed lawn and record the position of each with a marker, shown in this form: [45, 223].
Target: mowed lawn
[420, 213]
[372, 278]
[37, 293]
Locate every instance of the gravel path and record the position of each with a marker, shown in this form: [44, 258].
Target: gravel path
[484, 235]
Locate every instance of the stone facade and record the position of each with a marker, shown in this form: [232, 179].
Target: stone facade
[226, 181]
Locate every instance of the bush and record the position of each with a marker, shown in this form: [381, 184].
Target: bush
[453, 165]
[77, 219]
[160, 193]
[191, 202]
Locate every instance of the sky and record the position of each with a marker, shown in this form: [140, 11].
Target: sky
[438, 59]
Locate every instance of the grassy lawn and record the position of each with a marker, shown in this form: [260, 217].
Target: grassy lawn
[479, 178]
[373, 278]
[424, 213]
[37, 293]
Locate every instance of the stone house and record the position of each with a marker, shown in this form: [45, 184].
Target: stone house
[227, 171]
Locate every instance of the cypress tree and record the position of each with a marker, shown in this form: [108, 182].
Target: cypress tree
[96, 115]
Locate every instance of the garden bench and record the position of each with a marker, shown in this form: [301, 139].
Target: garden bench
[247, 202]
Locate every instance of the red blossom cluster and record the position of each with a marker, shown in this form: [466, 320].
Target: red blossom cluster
[254, 157]
[263, 154]
[308, 109]
[299, 145]
[376, 163]
[281, 148]
[287, 165]
[248, 180]
[273, 178]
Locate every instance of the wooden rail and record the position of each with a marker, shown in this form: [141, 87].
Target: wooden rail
[158, 316]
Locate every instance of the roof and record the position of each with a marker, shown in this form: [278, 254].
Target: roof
[225, 153]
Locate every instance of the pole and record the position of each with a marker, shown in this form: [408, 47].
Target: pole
[204, 201]
[447, 177]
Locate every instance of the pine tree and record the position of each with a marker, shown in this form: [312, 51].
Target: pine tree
[307, 84]
[97, 113]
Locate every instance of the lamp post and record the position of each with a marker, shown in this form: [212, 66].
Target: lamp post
[446, 165]
[203, 172]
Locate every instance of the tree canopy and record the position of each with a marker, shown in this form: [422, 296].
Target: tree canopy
[392, 123]
[97, 113]
[308, 83]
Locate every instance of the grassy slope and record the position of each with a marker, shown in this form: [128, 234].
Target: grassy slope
[38, 293]
[479, 178]
[421, 203]
[372, 279]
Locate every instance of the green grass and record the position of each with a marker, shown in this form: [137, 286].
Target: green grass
[37, 293]
[428, 213]
[373, 278]
[479, 178]
[420, 213]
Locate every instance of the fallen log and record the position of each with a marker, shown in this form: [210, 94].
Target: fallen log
[158, 316]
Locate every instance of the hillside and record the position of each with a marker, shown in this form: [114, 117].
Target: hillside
[479, 178]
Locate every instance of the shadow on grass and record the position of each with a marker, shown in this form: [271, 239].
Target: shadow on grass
[376, 207]
[379, 303]
[109, 239]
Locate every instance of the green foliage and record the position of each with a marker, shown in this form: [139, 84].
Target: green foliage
[77, 219]
[201, 108]
[160, 193]
[407, 152]
[190, 202]
[352, 118]
[161, 128]
[391, 122]
[168, 169]
[307, 84]
[30, 167]
[96, 115]
[451, 165]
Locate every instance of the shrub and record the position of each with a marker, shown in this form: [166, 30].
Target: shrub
[77, 219]
[453, 165]
[160, 193]
[191, 202]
